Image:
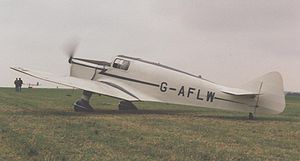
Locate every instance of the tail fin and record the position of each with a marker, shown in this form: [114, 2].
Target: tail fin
[271, 99]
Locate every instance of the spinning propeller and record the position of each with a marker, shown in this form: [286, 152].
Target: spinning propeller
[70, 49]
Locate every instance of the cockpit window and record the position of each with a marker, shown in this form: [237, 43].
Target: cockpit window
[121, 64]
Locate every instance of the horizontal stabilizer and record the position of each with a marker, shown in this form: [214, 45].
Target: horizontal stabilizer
[239, 92]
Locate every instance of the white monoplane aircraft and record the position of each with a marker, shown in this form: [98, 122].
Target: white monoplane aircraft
[134, 79]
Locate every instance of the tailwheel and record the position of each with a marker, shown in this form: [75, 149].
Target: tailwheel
[83, 105]
[126, 105]
[251, 116]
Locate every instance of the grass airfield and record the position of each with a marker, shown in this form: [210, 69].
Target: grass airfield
[40, 124]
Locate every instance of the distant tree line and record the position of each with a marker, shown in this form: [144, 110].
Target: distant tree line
[292, 93]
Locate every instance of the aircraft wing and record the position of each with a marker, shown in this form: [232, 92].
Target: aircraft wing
[84, 84]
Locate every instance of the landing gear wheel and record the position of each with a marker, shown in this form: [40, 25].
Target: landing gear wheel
[126, 105]
[82, 106]
[251, 116]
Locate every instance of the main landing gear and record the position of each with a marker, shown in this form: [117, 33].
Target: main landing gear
[83, 105]
[126, 105]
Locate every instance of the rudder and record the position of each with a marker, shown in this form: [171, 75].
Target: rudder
[271, 99]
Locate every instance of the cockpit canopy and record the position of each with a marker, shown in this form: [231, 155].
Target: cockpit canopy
[121, 64]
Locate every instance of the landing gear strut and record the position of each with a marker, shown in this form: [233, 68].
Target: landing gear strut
[126, 105]
[83, 105]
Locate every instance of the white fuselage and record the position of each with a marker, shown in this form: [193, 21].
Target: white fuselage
[149, 81]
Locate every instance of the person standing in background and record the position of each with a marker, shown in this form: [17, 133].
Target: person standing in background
[17, 85]
[20, 84]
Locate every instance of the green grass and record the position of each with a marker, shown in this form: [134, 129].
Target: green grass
[40, 124]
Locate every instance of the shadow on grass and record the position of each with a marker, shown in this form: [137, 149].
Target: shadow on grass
[53, 112]
[179, 113]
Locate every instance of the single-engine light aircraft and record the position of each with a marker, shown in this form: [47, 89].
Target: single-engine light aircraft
[133, 79]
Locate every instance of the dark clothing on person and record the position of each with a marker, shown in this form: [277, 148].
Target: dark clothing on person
[17, 85]
[20, 83]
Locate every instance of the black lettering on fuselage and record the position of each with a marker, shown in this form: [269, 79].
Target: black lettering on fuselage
[198, 95]
[181, 91]
[190, 91]
[163, 86]
[210, 96]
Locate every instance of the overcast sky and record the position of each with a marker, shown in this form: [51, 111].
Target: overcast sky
[229, 42]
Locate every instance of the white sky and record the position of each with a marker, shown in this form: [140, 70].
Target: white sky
[229, 42]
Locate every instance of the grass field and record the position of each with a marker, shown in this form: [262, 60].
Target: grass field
[40, 124]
